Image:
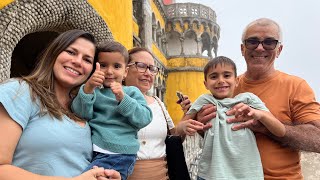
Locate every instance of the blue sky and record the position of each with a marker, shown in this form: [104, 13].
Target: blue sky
[300, 23]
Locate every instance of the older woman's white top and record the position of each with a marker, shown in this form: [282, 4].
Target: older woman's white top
[152, 136]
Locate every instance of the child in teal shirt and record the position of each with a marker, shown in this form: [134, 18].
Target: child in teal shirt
[115, 113]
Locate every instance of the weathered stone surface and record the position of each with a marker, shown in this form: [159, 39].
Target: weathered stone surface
[310, 165]
[22, 17]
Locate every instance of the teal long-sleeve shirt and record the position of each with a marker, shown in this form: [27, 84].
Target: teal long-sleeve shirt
[114, 124]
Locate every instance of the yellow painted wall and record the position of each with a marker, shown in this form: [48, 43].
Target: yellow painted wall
[184, 61]
[189, 83]
[158, 54]
[3, 3]
[118, 16]
[135, 28]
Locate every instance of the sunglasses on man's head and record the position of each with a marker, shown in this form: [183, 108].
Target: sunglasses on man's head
[142, 67]
[267, 44]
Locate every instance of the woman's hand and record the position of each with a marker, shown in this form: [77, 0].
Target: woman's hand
[92, 174]
[189, 127]
[205, 115]
[99, 173]
[110, 174]
[185, 103]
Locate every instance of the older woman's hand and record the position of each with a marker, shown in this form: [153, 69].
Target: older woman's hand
[185, 103]
[189, 127]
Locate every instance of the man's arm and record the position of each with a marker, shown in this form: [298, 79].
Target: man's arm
[304, 137]
[244, 112]
[299, 136]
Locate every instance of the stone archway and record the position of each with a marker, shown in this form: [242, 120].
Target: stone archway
[24, 56]
[40, 21]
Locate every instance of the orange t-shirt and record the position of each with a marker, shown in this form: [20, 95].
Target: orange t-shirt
[291, 100]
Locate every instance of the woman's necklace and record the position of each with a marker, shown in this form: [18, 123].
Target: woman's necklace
[143, 136]
[149, 100]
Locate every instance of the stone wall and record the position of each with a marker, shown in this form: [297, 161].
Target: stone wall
[23, 17]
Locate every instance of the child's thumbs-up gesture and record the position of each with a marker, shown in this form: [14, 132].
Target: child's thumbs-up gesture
[117, 90]
[96, 80]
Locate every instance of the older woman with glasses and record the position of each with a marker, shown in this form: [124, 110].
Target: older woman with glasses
[151, 163]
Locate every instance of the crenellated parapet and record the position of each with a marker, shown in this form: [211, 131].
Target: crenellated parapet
[191, 29]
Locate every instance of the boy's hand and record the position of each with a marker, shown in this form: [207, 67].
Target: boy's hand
[242, 112]
[96, 80]
[117, 90]
[248, 118]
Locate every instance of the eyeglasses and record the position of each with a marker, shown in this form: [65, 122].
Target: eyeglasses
[142, 67]
[268, 44]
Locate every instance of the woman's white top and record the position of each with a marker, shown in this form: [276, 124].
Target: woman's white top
[152, 136]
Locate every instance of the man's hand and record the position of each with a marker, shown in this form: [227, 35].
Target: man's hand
[207, 113]
[96, 80]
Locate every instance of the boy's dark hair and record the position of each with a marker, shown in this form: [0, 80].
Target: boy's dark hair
[222, 60]
[113, 46]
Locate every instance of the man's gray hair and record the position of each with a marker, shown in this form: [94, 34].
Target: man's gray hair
[262, 22]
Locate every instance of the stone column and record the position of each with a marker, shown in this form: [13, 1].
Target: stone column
[146, 30]
[198, 46]
[181, 44]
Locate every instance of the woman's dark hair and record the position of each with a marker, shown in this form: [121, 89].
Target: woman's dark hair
[41, 80]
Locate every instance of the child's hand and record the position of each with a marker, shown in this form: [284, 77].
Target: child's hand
[96, 80]
[117, 90]
[189, 127]
[242, 112]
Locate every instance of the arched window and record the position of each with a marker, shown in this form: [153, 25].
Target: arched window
[174, 45]
[190, 43]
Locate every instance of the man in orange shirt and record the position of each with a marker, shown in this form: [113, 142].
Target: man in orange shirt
[289, 98]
